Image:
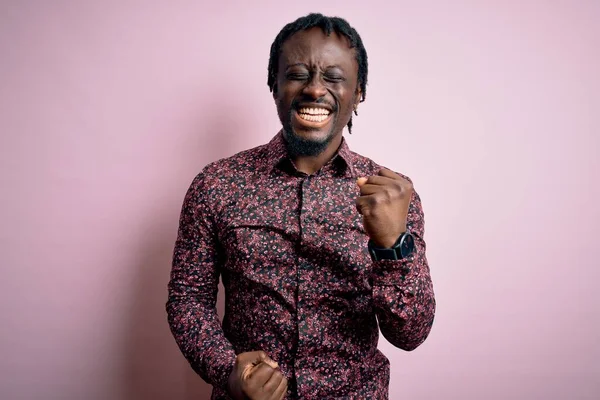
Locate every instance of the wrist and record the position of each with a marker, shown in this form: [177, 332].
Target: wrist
[233, 388]
[401, 249]
[387, 242]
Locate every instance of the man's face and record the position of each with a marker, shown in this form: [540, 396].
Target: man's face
[317, 89]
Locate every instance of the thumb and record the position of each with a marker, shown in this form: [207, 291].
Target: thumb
[361, 181]
[258, 358]
[263, 357]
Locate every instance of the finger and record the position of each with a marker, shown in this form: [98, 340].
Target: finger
[247, 370]
[265, 358]
[365, 204]
[377, 184]
[281, 390]
[271, 363]
[368, 189]
[251, 364]
[260, 375]
[376, 180]
[389, 173]
[361, 181]
[260, 356]
[381, 180]
[273, 383]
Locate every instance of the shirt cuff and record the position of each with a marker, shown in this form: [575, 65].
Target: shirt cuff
[392, 272]
[221, 369]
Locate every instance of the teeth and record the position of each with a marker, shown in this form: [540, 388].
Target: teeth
[314, 111]
[313, 118]
[313, 114]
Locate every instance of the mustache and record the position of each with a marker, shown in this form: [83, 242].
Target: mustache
[296, 103]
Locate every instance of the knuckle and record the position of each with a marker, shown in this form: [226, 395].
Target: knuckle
[378, 199]
[389, 194]
[398, 194]
[366, 212]
[267, 368]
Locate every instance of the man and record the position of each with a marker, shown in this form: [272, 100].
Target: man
[314, 243]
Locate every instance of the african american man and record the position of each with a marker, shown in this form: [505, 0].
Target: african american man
[318, 247]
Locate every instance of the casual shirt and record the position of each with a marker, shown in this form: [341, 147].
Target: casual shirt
[300, 285]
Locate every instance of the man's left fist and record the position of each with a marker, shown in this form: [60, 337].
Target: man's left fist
[383, 203]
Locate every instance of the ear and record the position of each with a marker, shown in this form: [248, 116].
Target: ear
[274, 92]
[358, 96]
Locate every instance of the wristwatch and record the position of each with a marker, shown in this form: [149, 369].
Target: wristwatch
[403, 248]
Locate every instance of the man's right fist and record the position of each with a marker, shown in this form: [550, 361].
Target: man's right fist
[256, 376]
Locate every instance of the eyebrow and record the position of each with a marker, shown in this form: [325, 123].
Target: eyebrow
[304, 65]
[296, 65]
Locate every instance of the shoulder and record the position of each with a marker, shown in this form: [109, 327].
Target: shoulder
[229, 171]
[364, 166]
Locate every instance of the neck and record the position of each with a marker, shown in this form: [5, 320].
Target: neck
[311, 164]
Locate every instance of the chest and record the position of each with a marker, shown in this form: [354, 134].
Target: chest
[281, 226]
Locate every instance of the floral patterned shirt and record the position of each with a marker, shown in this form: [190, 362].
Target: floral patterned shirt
[299, 282]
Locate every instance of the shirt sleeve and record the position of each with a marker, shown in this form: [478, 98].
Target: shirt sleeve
[403, 291]
[191, 305]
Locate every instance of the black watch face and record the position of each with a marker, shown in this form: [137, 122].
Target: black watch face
[407, 246]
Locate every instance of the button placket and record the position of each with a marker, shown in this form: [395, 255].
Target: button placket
[304, 281]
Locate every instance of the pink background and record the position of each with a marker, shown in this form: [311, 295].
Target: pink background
[108, 109]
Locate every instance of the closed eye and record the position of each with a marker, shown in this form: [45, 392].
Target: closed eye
[334, 78]
[297, 77]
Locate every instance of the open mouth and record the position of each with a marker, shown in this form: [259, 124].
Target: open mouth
[313, 116]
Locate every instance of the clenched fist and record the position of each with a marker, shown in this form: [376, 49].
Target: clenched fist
[383, 203]
[256, 376]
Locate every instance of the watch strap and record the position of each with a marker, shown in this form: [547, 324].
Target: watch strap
[393, 253]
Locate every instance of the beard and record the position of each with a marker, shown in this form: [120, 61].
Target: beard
[299, 146]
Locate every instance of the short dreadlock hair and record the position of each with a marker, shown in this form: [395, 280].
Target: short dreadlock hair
[328, 25]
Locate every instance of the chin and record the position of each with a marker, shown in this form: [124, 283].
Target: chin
[306, 143]
[312, 134]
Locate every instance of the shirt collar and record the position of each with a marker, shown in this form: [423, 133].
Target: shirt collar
[276, 152]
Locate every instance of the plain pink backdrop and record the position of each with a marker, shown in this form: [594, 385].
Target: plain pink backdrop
[108, 109]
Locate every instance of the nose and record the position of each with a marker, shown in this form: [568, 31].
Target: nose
[315, 88]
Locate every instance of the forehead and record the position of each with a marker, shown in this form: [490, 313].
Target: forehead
[314, 47]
